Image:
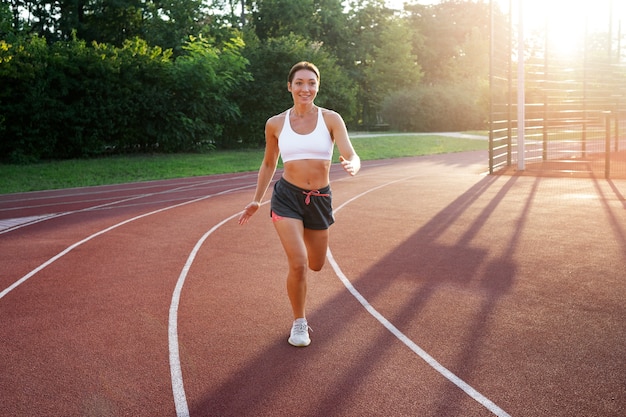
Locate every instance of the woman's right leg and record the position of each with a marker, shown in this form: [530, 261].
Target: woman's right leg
[291, 234]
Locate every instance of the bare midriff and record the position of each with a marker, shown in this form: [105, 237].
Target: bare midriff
[308, 174]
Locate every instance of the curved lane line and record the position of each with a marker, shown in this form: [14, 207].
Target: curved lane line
[103, 231]
[178, 389]
[178, 386]
[108, 189]
[477, 396]
[105, 205]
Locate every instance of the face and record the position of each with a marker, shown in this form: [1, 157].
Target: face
[303, 87]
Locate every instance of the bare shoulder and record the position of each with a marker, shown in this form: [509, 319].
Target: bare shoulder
[274, 124]
[334, 122]
[330, 115]
[277, 120]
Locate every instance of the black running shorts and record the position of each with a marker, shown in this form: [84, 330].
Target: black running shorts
[313, 207]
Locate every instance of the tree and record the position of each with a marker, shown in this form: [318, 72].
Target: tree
[393, 67]
[161, 23]
[367, 20]
[90, 69]
[5, 21]
[330, 26]
[205, 79]
[170, 23]
[455, 39]
[267, 94]
[317, 20]
[72, 99]
[276, 18]
[437, 108]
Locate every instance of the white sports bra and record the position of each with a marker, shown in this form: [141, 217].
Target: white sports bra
[315, 145]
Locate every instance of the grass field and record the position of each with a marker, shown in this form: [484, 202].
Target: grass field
[123, 169]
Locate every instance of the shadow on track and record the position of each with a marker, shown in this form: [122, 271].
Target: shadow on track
[431, 267]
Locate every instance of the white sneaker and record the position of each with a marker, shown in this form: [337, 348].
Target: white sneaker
[300, 333]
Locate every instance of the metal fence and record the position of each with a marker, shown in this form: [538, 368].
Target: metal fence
[574, 106]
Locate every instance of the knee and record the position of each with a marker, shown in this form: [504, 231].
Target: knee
[316, 265]
[298, 268]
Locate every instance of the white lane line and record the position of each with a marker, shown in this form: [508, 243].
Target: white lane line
[178, 388]
[105, 205]
[469, 390]
[66, 213]
[101, 232]
[113, 188]
[15, 223]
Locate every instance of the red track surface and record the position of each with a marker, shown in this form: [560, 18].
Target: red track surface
[515, 287]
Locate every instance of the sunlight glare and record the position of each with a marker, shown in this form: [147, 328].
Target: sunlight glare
[562, 20]
[566, 21]
[566, 27]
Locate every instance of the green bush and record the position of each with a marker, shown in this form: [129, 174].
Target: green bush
[203, 81]
[270, 62]
[437, 108]
[69, 99]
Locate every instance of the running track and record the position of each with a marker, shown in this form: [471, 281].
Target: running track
[447, 293]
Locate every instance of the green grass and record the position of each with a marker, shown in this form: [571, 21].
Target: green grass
[123, 169]
[386, 147]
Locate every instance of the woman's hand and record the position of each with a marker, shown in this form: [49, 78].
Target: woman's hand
[351, 166]
[248, 212]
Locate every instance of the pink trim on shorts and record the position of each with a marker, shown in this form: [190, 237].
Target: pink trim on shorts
[276, 217]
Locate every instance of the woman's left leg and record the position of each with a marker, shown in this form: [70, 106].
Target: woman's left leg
[316, 242]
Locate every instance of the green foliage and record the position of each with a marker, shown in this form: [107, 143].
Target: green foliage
[68, 99]
[166, 24]
[85, 78]
[131, 168]
[277, 18]
[368, 21]
[452, 43]
[203, 81]
[26, 99]
[6, 27]
[391, 69]
[437, 108]
[267, 95]
[169, 24]
[72, 100]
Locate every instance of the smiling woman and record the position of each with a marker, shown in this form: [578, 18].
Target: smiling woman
[301, 204]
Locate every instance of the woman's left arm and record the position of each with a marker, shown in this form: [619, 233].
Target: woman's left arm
[347, 156]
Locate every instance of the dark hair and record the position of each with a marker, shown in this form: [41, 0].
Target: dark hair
[303, 65]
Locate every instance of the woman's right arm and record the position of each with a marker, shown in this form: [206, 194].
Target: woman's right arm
[266, 171]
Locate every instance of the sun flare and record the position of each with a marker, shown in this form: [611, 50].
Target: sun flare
[565, 28]
[565, 22]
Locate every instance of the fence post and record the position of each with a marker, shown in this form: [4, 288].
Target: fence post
[521, 93]
[607, 146]
[616, 131]
[491, 87]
